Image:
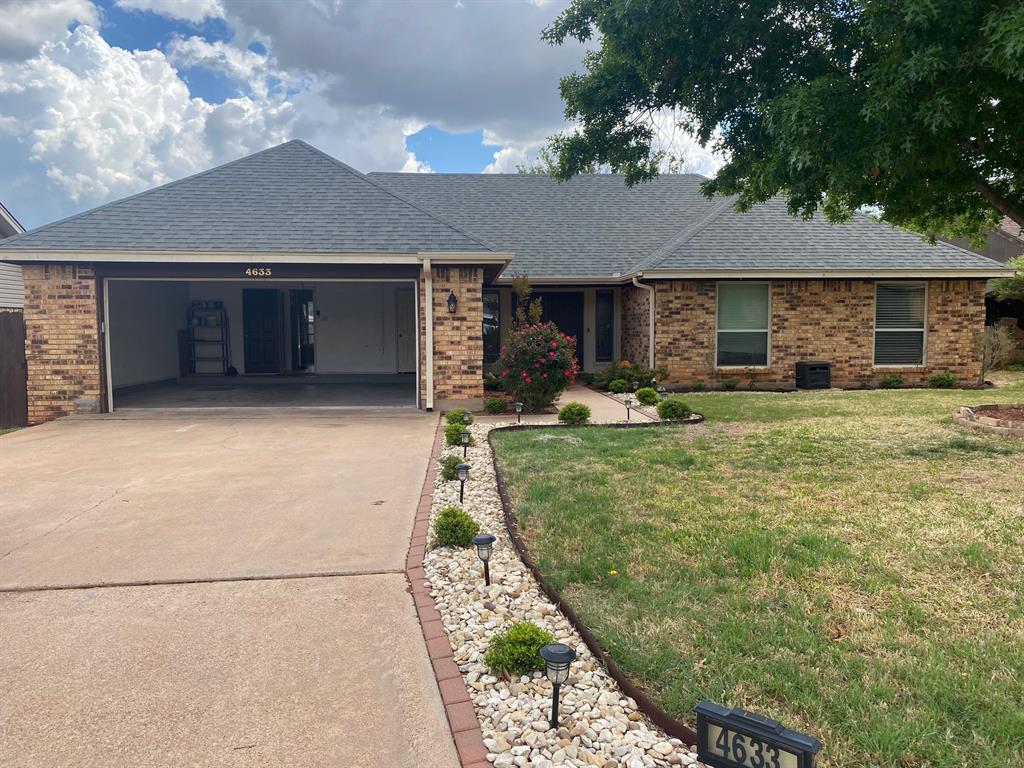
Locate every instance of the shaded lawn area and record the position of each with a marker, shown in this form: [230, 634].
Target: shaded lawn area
[849, 563]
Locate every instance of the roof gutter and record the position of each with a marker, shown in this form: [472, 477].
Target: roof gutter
[428, 316]
[650, 319]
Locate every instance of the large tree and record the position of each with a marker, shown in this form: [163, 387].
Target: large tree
[913, 106]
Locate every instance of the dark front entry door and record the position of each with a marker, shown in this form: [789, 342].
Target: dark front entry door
[261, 310]
[566, 311]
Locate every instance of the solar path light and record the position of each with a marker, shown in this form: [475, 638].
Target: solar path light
[463, 470]
[484, 542]
[465, 442]
[629, 404]
[519, 413]
[557, 658]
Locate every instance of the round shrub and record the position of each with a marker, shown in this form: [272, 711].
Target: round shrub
[454, 528]
[730, 384]
[495, 405]
[516, 651]
[618, 386]
[698, 385]
[574, 413]
[448, 466]
[647, 396]
[456, 415]
[943, 381]
[672, 408]
[892, 381]
[537, 364]
[453, 434]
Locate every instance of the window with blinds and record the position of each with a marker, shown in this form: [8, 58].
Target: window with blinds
[742, 324]
[899, 323]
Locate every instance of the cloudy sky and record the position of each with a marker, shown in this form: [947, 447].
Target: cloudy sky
[102, 98]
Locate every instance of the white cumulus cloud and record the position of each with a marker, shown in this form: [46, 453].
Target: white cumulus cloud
[187, 10]
[27, 24]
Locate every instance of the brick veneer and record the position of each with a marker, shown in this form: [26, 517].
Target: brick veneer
[458, 337]
[635, 318]
[816, 320]
[62, 347]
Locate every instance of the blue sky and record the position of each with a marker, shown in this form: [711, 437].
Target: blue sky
[105, 98]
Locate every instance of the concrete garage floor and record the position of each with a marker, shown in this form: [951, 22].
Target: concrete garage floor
[251, 647]
[306, 391]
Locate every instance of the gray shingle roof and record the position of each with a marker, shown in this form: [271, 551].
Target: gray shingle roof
[291, 197]
[597, 226]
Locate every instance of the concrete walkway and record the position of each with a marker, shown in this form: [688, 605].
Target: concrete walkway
[603, 409]
[251, 647]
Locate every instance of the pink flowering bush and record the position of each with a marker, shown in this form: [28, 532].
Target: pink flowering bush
[537, 364]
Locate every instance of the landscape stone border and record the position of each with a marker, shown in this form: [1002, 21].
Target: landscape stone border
[974, 417]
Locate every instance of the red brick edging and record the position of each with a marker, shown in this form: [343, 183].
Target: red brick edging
[465, 727]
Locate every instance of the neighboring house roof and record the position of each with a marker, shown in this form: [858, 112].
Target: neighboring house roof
[289, 198]
[8, 224]
[594, 225]
[12, 289]
[1001, 244]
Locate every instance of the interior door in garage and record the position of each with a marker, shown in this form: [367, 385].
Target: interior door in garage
[261, 311]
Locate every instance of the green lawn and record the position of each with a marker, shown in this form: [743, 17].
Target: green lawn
[849, 563]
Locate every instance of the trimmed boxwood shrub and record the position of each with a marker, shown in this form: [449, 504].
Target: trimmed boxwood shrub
[730, 384]
[516, 651]
[943, 381]
[454, 528]
[647, 396]
[574, 413]
[455, 415]
[892, 381]
[448, 465]
[698, 385]
[618, 386]
[453, 434]
[495, 405]
[672, 408]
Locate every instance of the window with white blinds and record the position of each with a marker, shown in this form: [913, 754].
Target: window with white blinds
[899, 323]
[743, 321]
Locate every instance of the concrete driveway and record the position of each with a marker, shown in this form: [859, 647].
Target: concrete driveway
[182, 589]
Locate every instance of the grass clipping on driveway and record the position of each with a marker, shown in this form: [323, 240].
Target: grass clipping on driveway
[851, 564]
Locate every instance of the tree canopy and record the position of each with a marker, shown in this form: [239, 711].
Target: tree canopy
[915, 107]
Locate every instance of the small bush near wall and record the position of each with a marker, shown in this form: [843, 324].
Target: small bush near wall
[943, 381]
[456, 416]
[537, 364]
[730, 384]
[454, 528]
[516, 651]
[629, 372]
[495, 405]
[574, 413]
[647, 396]
[672, 408]
[698, 385]
[453, 434]
[618, 386]
[448, 466]
[892, 381]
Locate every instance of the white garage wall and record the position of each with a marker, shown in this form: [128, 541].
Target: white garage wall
[144, 320]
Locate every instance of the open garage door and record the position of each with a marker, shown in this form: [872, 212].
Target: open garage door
[176, 343]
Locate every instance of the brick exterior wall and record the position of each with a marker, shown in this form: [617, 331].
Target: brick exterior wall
[635, 319]
[62, 346]
[816, 320]
[458, 338]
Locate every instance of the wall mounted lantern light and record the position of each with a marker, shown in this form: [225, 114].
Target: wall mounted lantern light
[453, 303]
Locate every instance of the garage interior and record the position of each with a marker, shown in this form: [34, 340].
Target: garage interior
[230, 344]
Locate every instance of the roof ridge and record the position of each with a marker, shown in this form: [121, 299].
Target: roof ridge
[481, 174]
[663, 251]
[72, 217]
[366, 177]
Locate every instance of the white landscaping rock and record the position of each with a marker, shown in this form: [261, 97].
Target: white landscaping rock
[599, 726]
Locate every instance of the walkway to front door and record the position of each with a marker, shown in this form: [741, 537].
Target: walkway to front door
[187, 589]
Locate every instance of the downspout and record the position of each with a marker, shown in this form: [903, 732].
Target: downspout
[428, 321]
[650, 320]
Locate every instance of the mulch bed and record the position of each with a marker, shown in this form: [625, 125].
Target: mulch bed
[1011, 412]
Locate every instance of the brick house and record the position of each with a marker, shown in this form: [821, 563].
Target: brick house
[289, 278]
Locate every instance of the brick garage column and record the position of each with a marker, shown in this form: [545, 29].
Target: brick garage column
[458, 337]
[61, 341]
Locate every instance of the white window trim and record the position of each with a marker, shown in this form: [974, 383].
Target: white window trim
[923, 330]
[768, 330]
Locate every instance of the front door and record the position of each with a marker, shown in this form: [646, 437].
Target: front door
[261, 313]
[405, 324]
[565, 309]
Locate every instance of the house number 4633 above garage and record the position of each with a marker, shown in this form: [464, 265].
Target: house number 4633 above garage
[258, 272]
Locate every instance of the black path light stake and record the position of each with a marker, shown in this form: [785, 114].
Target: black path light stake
[463, 470]
[663, 392]
[629, 404]
[519, 413]
[635, 385]
[483, 543]
[557, 658]
[467, 417]
[465, 443]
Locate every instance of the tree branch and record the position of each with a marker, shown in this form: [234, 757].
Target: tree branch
[998, 201]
